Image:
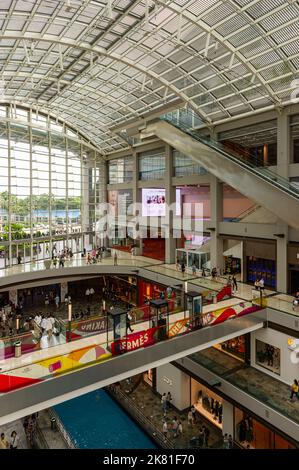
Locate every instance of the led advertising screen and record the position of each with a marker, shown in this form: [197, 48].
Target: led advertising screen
[153, 202]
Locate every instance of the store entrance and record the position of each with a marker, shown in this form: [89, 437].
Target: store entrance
[294, 281]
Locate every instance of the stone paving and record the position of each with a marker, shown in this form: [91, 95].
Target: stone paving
[150, 404]
[53, 438]
[18, 427]
[265, 388]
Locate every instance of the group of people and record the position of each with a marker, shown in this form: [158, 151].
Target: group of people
[11, 443]
[46, 323]
[30, 425]
[228, 442]
[202, 439]
[259, 284]
[59, 257]
[95, 256]
[181, 266]
[232, 282]
[175, 427]
[165, 402]
[12, 323]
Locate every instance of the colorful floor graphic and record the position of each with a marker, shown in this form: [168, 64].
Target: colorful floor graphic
[50, 368]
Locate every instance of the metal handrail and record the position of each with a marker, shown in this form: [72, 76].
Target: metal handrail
[65, 435]
[146, 424]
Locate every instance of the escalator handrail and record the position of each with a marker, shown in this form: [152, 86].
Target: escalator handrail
[268, 175]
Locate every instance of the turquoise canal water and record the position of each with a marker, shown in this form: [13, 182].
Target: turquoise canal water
[96, 421]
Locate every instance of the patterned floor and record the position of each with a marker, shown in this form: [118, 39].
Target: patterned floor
[150, 405]
[266, 389]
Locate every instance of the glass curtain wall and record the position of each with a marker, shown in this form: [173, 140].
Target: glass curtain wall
[120, 170]
[152, 165]
[51, 181]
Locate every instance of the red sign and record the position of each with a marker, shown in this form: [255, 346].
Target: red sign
[141, 339]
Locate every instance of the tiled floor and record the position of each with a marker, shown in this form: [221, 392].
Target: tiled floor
[150, 405]
[124, 259]
[265, 388]
[284, 303]
[18, 427]
[58, 347]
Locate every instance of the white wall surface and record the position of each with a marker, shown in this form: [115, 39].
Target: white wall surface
[288, 370]
[173, 380]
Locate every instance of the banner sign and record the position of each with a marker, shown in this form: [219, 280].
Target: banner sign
[179, 326]
[140, 339]
[91, 326]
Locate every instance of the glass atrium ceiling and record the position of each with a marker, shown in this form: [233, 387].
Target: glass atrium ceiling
[97, 64]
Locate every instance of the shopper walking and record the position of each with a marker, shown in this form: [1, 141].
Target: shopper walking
[194, 269]
[190, 418]
[164, 403]
[235, 285]
[168, 400]
[115, 259]
[230, 442]
[3, 442]
[180, 429]
[225, 441]
[129, 319]
[175, 425]
[206, 435]
[165, 429]
[200, 437]
[183, 268]
[57, 300]
[14, 440]
[193, 411]
[294, 389]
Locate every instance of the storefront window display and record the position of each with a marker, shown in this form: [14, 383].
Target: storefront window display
[232, 265]
[149, 377]
[250, 433]
[234, 347]
[258, 268]
[124, 288]
[267, 356]
[207, 403]
[148, 291]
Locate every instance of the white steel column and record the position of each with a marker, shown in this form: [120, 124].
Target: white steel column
[283, 161]
[282, 258]
[216, 244]
[170, 244]
[136, 198]
[283, 144]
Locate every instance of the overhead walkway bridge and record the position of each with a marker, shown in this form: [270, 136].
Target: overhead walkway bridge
[48, 377]
[242, 171]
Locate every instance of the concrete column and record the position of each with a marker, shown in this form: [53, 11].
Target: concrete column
[216, 199]
[283, 161]
[136, 199]
[13, 295]
[63, 290]
[228, 418]
[282, 259]
[283, 144]
[170, 242]
[173, 380]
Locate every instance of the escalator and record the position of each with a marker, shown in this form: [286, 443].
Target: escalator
[242, 171]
